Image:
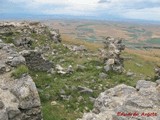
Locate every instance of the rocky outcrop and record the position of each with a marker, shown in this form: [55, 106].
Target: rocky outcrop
[24, 41]
[55, 36]
[22, 33]
[113, 61]
[35, 61]
[19, 99]
[128, 103]
[157, 73]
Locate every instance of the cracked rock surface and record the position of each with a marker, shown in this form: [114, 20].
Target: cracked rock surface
[128, 103]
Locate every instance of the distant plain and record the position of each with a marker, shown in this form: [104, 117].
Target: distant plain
[134, 34]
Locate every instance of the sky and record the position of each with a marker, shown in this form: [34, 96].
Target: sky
[96, 9]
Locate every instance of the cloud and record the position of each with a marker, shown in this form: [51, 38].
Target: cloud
[79, 7]
[144, 14]
[128, 4]
[136, 9]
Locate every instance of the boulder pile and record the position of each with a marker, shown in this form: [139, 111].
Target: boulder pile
[113, 61]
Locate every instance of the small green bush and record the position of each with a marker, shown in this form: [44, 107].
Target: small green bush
[19, 71]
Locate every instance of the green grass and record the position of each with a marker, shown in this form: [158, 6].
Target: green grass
[146, 68]
[19, 71]
[49, 86]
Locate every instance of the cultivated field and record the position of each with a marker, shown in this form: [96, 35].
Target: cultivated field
[135, 34]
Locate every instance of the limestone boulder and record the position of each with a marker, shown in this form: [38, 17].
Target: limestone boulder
[127, 103]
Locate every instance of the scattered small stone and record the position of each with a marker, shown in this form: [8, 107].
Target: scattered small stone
[107, 68]
[69, 69]
[53, 103]
[80, 98]
[73, 88]
[139, 65]
[92, 99]
[81, 67]
[103, 75]
[129, 74]
[99, 67]
[65, 97]
[85, 90]
[62, 92]
[79, 48]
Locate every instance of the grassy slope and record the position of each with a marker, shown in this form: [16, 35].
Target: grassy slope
[50, 85]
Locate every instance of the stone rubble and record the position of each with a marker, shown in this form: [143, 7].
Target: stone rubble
[113, 61]
[59, 69]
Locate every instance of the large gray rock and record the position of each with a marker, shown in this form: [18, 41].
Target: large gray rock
[26, 92]
[127, 103]
[145, 84]
[19, 99]
[19, 60]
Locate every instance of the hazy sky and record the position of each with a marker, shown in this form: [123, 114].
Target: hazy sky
[124, 9]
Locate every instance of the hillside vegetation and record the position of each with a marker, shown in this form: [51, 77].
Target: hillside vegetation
[61, 95]
[51, 86]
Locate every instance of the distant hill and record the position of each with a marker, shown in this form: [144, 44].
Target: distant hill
[135, 34]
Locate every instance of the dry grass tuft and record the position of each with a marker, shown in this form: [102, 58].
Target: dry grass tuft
[89, 45]
[152, 55]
